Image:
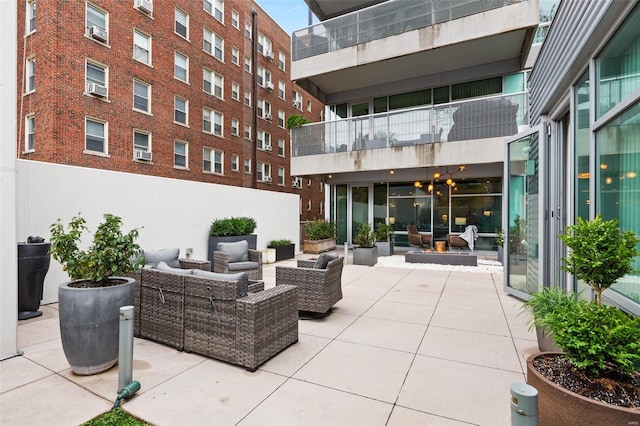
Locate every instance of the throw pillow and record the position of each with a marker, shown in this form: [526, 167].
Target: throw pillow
[164, 267]
[168, 256]
[238, 251]
[324, 259]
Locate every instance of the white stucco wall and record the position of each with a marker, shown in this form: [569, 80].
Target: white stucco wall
[171, 212]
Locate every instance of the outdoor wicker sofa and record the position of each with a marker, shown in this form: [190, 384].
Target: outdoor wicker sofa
[318, 289]
[226, 317]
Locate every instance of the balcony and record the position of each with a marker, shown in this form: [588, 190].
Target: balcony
[383, 20]
[490, 117]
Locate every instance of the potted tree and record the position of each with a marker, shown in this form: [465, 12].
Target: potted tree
[365, 252]
[320, 236]
[230, 230]
[89, 304]
[285, 249]
[384, 239]
[594, 380]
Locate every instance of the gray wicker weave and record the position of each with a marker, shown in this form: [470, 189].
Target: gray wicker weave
[221, 264]
[318, 289]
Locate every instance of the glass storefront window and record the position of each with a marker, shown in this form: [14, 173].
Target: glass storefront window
[582, 134]
[483, 212]
[618, 183]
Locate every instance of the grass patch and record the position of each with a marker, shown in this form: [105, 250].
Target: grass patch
[117, 417]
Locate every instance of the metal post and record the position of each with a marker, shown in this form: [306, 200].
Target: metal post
[125, 354]
[346, 253]
[524, 405]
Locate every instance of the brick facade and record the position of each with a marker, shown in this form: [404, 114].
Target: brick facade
[61, 47]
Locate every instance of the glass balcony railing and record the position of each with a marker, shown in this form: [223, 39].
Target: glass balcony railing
[383, 20]
[472, 119]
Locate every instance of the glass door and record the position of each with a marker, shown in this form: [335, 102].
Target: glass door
[524, 241]
[360, 208]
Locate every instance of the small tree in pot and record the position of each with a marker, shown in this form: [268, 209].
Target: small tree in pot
[384, 239]
[365, 252]
[89, 304]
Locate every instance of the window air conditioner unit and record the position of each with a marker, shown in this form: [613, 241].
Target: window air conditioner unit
[143, 155]
[97, 90]
[297, 104]
[269, 55]
[267, 179]
[98, 33]
[269, 86]
[144, 6]
[296, 184]
[267, 116]
[268, 148]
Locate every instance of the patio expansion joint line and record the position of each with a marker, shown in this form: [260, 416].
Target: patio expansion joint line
[429, 413]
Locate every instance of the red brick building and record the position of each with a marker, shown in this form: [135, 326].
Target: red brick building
[188, 89]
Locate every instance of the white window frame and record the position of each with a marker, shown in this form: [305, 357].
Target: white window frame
[263, 171]
[281, 119]
[297, 100]
[177, 142]
[281, 176]
[186, 110]
[264, 45]
[235, 162]
[264, 139]
[281, 147]
[247, 98]
[178, 66]
[148, 95]
[87, 25]
[207, 120]
[247, 132]
[248, 30]
[235, 56]
[248, 66]
[264, 107]
[309, 205]
[235, 91]
[104, 82]
[235, 127]
[137, 48]
[218, 10]
[30, 133]
[140, 147]
[104, 137]
[247, 166]
[264, 76]
[215, 159]
[282, 61]
[218, 85]
[207, 77]
[218, 123]
[282, 90]
[30, 74]
[179, 13]
[30, 17]
[235, 19]
[308, 105]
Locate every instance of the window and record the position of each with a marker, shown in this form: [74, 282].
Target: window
[280, 175]
[247, 166]
[235, 19]
[235, 127]
[282, 61]
[264, 172]
[281, 121]
[141, 141]
[309, 182]
[215, 8]
[234, 162]
[297, 100]
[309, 205]
[218, 119]
[181, 67]
[141, 96]
[180, 154]
[96, 24]
[213, 45]
[264, 76]
[281, 147]
[247, 64]
[321, 210]
[180, 110]
[30, 17]
[207, 118]
[207, 81]
[281, 89]
[247, 132]
[235, 56]
[235, 91]
[264, 45]
[141, 47]
[264, 139]
[247, 98]
[212, 160]
[218, 85]
[96, 79]
[30, 75]
[248, 30]
[95, 139]
[308, 106]
[212, 121]
[30, 133]
[264, 108]
[182, 23]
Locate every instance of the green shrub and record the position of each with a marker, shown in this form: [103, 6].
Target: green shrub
[550, 300]
[232, 226]
[296, 121]
[365, 237]
[111, 253]
[116, 417]
[278, 243]
[384, 232]
[319, 230]
[596, 338]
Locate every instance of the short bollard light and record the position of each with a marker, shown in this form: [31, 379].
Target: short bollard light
[126, 387]
[524, 405]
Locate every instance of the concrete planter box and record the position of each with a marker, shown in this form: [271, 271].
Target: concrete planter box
[318, 246]
[385, 248]
[365, 256]
[213, 243]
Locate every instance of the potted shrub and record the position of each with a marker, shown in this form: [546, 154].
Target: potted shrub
[320, 236]
[543, 304]
[285, 249]
[365, 252]
[229, 230]
[500, 243]
[384, 239]
[89, 304]
[594, 380]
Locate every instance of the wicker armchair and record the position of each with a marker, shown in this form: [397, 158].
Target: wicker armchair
[253, 268]
[318, 289]
[416, 238]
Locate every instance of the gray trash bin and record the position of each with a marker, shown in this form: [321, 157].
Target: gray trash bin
[33, 265]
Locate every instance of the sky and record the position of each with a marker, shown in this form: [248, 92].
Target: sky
[291, 15]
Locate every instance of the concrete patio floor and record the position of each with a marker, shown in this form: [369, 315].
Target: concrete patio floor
[405, 346]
